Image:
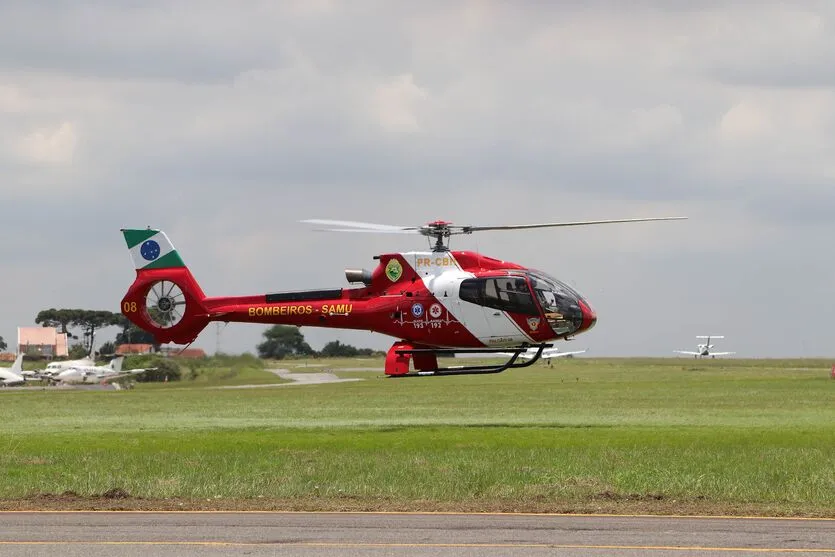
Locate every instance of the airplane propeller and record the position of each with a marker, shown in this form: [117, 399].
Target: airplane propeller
[442, 229]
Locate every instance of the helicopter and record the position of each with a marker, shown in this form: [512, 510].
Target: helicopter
[435, 303]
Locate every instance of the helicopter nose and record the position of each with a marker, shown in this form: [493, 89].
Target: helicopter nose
[589, 317]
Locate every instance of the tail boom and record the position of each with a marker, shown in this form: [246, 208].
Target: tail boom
[303, 308]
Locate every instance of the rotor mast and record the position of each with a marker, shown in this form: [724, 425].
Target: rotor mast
[439, 230]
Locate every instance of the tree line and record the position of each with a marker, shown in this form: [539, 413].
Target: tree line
[280, 341]
[283, 341]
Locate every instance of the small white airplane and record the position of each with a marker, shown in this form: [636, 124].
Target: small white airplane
[704, 350]
[54, 368]
[95, 374]
[547, 354]
[13, 375]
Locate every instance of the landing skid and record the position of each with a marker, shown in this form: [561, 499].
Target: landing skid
[426, 360]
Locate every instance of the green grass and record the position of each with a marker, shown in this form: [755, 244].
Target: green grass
[220, 371]
[721, 435]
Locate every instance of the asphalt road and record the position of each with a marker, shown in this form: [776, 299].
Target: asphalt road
[181, 534]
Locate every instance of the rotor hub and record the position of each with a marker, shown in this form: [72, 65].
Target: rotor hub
[439, 230]
[165, 304]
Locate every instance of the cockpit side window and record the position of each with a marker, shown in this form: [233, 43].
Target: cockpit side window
[470, 291]
[504, 293]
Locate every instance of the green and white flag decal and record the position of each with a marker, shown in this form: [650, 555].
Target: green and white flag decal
[151, 249]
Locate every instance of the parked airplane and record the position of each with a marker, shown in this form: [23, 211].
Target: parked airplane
[13, 375]
[54, 368]
[95, 374]
[704, 349]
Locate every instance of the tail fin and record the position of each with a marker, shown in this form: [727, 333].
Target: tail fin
[151, 249]
[116, 363]
[165, 299]
[17, 366]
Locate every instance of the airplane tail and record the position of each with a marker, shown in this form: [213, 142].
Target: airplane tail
[709, 337]
[17, 366]
[116, 363]
[165, 299]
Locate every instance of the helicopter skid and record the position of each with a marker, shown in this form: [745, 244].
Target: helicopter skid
[426, 360]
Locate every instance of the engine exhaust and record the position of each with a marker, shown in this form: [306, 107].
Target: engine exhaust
[358, 275]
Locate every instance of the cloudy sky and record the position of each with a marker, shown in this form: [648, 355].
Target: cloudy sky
[225, 123]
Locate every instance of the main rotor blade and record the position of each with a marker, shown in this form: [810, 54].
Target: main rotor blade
[468, 229]
[368, 231]
[367, 226]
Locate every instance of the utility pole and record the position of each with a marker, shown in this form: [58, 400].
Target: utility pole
[217, 338]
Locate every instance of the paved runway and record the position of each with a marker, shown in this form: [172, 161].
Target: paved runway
[181, 534]
[90, 387]
[297, 378]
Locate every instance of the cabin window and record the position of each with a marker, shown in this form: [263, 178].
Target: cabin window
[504, 293]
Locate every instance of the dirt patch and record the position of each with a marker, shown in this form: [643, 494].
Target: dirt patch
[611, 496]
[117, 499]
[115, 493]
[70, 499]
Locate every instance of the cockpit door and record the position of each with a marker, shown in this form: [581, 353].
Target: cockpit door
[504, 298]
[472, 314]
[508, 314]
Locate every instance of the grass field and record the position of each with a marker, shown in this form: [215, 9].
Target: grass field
[610, 435]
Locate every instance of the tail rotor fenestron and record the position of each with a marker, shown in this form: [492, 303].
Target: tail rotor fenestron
[165, 303]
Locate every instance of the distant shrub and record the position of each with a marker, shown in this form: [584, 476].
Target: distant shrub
[238, 360]
[166, 368]
[336, 349]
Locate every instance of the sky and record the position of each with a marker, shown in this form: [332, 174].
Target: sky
[226, 123]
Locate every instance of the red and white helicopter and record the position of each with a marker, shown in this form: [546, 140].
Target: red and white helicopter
[436, 302]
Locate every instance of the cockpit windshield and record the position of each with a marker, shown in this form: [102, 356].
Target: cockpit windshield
[560, 303]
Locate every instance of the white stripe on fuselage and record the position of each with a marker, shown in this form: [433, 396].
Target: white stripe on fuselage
[442, 276]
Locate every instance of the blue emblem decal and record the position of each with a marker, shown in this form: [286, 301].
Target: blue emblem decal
[149, 250]
[417, 310]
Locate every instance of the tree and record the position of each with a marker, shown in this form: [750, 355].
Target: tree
[3, 344]
[282, 341]
[107, 348]
[336, 349]
[76, 352]
[58, 318]
[88, 320]
[131, 334]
